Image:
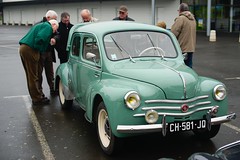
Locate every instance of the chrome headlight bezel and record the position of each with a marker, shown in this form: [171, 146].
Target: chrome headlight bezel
[132, 100]
[219, 92]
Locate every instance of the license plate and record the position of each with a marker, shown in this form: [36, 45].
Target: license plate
[187, 125]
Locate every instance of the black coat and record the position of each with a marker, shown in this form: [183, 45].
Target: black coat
[63, 31]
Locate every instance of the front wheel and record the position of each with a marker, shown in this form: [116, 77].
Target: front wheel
[107, 140]
[64, 103]
[206, 134]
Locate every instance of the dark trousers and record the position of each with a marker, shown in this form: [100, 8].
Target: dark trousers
[30, 59]
[188, 59]
[46, 63]
[63, 57]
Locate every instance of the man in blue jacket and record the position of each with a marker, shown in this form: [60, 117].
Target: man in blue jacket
[32, 44]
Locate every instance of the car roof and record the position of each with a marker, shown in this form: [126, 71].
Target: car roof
[104, 27]
[101, 28]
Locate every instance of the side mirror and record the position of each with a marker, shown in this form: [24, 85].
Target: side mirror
[91, 56]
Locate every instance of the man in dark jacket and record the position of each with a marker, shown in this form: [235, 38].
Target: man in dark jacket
[32, 44]
[123, 14]
[63, 31]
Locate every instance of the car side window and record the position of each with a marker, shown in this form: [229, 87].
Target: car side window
[90, 46]
[76, 46]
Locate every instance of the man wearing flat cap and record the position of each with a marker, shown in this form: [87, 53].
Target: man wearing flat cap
[123, 14]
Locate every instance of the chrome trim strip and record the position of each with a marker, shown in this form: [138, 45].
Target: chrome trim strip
[199, 104]
[161, 108]
[177, 114]
[139, 128]
[158, 127]
[177, 101]
[233, 144]
[181, 76]
[174, 107]
[223, 119]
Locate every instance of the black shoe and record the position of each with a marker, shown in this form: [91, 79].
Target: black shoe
[43, 101]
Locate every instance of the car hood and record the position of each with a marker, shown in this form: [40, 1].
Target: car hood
[176, 80]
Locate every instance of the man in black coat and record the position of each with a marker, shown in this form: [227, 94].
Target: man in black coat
[63, 31]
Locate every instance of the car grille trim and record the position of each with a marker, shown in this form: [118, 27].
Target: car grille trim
[177, 108]
[177, 101]
[177, 114]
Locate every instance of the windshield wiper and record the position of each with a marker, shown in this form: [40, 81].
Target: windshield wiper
[154, 46]
[121, 49]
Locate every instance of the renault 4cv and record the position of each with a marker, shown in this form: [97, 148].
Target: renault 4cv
[130, 79]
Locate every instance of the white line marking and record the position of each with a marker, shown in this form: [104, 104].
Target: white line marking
[43, 142]
[10, 46]
[233, 78]
[19, 96]
[232, 127]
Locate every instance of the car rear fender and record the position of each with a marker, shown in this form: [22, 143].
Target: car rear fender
[62, 74]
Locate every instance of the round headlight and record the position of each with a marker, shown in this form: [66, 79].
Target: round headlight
[219, 92]
[151, 116]
[132, 100]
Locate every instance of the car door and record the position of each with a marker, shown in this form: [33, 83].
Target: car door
[74, 63]
[90, 70]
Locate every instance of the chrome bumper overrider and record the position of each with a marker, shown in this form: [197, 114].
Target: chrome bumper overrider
[162, 127]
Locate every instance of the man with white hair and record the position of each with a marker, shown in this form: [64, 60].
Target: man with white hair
[87, 16]
[34, 43]
[48, 57]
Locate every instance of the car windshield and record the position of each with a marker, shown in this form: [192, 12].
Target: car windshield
[132, 44]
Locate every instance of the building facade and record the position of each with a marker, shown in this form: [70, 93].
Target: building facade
[224, 14]
[29, 12]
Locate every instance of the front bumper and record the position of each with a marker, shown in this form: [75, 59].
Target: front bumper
[162, 127]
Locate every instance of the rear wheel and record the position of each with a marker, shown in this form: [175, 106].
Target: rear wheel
[109, 143]
[206, 134]
[64, 103]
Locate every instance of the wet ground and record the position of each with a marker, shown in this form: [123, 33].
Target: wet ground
[48, 132]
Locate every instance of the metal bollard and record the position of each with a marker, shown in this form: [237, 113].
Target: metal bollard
[239, 38]
[212, 37]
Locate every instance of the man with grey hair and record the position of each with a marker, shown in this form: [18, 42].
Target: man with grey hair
[87, 16]
[184, 28]
[51, 14]
[48, 57]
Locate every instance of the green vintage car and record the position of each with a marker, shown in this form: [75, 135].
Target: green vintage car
[130, 79]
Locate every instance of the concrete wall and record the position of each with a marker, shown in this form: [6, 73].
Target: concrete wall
[141, 11]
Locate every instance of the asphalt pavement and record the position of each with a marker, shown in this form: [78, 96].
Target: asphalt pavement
[48, 132]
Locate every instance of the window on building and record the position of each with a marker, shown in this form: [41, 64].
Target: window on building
[236, 2]
[221, 2]
[236, 19]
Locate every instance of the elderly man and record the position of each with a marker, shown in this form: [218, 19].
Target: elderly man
[87, 16]
[47, 59]
[34, 43]
[123, 14]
